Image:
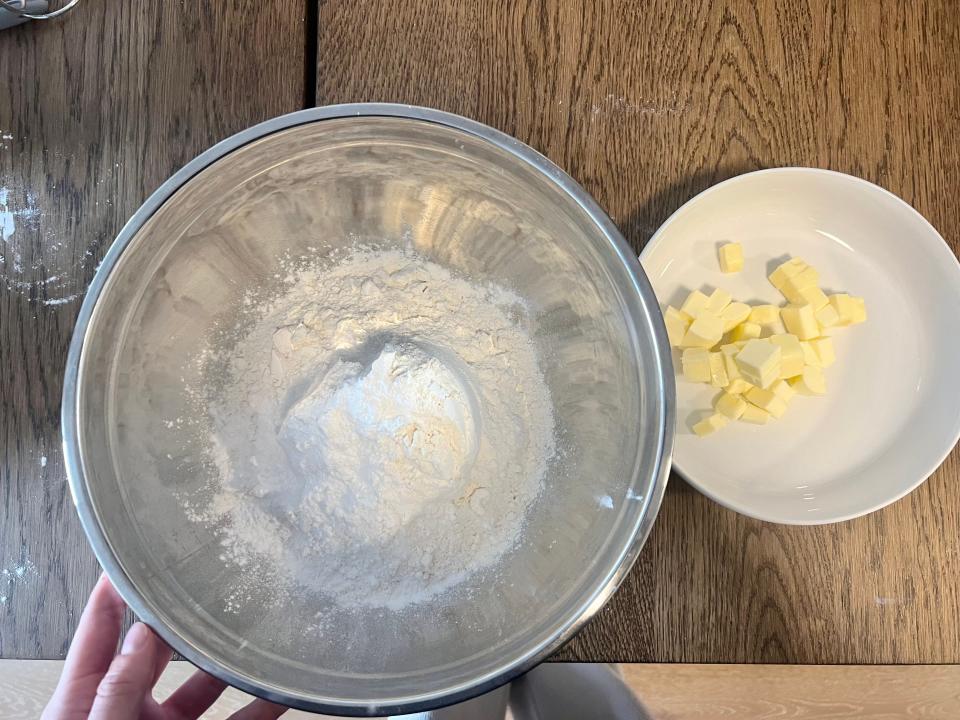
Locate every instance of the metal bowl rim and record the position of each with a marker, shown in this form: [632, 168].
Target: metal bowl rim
[664, 401]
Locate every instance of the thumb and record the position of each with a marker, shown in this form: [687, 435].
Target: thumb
[129, 680]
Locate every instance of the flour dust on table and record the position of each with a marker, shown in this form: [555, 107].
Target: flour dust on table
[380, 432]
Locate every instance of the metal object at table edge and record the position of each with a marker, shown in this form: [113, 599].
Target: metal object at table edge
[10, 6]
[666, 396]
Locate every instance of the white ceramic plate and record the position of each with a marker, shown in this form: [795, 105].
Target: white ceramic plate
[892, 411]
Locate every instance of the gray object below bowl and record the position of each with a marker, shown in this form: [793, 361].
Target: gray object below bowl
[12, 17]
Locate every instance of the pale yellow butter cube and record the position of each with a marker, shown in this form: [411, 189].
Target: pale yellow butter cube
[754, 415]
[738, 386]
[718, 370]
[786, 270]
[730, 405]
[859, 310]
[808, 277]
[696, 365]
[759, 362]
[730, 361]
[705, 331]
[734, 314]
[767, 400]
[764, 314]
[732, 349]
[711, 424]
[811, 295]
[827, 316]
[793, 287]
[746, 331]
[801, 321]
[717, 302]
[811, 382]
[783, 390]
[677, 323]
[810, 356]
[791, 360]
[823, 347]
[731, 257]
[695, 303]
[843, 305]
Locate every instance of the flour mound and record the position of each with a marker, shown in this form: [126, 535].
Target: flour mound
[382, 431]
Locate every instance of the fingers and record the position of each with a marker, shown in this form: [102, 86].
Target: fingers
[95, 641]
[259, 710]
[164, 653]
[191, 700]
[91, 651]
[98, 686]
[129, 679]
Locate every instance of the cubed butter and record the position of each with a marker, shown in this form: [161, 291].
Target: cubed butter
[730, 362]
[850, 310]
[827, 316]
[811, 382]
[811, 295]
[696, 364]
[808, 277]
[754, 415]
[746, 331]
[783, 390]
[677, 323]
[859, 311]
[810, 356]
[717, 302]
[738, 386]
[771, 354]
[711, 424]
[793, 288]
[705, 331]
[800, 320]
[823, 347]
[718, 370]
[730, 405]
[791, 359]
[695, 303]
[767, 400]
[843, 304]
[759, 362]
[764, 314]
[731, 257]
[734, 314]
[786, 270]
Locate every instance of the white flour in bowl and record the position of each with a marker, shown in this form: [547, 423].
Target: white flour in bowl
[383, 428]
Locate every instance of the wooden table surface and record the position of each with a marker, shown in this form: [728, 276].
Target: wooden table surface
[646, 104]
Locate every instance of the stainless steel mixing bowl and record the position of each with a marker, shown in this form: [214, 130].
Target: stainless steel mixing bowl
[467, 197]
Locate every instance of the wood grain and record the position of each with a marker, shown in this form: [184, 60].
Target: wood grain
[668, 692]
[647, 104]
[739, 692]
[97, 110]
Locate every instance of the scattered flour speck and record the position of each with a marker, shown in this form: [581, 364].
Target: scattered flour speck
[14, 574]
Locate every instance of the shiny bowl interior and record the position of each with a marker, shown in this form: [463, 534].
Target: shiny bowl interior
[466, 197]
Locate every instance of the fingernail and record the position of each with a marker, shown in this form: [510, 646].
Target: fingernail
[135, 640]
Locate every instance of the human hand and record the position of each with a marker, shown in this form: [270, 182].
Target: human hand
[96, 684]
